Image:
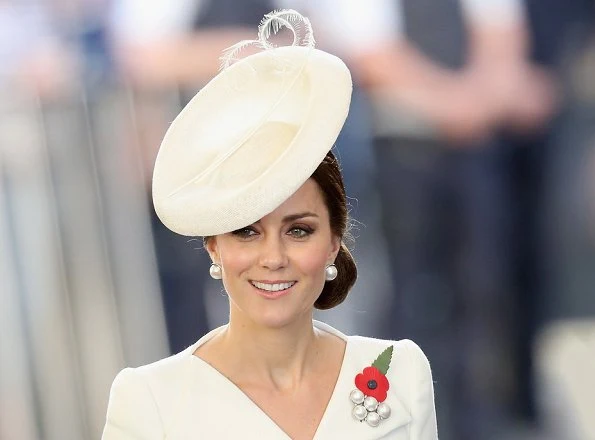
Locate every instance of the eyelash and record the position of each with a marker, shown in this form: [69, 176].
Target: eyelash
[244, 232]
[302, 228]
[249, 232]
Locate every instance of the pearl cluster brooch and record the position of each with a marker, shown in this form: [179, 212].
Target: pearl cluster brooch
[372, 388]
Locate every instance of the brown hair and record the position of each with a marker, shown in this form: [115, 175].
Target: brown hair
[330, 181]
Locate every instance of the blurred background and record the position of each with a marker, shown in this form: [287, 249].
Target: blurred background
[468, 155]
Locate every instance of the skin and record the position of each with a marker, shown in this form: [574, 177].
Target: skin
[293, 366]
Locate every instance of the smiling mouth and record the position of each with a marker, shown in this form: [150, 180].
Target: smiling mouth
[276, 287]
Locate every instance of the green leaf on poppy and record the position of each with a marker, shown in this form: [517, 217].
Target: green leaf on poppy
[382, 362]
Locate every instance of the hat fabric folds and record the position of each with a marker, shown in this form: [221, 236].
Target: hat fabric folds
[250, 138]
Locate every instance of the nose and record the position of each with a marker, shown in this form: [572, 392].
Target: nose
[273, 255]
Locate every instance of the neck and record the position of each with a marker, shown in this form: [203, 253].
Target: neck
[279, 356]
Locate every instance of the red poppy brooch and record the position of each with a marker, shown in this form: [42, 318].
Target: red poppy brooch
[372, 387]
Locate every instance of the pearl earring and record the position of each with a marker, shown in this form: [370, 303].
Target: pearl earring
[330, 273]
[215, 271]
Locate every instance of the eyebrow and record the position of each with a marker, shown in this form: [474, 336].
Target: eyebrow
[294, 217]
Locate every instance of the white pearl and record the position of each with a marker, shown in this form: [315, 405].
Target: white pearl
[359, 412]
[215, 271]
[370, 403]
[331, 272]
[373, 419]
[383, 410]
[357, 397]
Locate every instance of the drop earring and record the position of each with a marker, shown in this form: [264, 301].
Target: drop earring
[330, 273]
[215, 271]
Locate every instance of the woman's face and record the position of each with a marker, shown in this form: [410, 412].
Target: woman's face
[273, 270]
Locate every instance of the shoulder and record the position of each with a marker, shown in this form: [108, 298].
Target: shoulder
[131, 403]
[166, 369]
[160, 378]
[403, 351]
[143, 400]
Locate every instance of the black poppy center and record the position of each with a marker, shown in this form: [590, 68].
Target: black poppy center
[372, 384]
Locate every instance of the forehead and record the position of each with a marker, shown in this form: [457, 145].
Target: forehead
[308, 198]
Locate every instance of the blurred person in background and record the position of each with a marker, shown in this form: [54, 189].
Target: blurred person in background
[35, 56]
[563, 181]
[548, 192]
[446, 80]
[565, 320]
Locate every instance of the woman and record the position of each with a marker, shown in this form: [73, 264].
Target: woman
[247, 166]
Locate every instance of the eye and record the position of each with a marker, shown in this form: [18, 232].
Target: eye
[246, 232]
[300, 231]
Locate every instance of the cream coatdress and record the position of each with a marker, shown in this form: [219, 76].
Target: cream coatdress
[183, 397]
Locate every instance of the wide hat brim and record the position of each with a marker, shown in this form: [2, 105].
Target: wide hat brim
[249, 139]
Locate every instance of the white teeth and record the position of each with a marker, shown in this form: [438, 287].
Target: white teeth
[273, 287]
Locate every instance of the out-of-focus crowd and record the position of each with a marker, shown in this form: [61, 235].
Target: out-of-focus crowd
[469, 159]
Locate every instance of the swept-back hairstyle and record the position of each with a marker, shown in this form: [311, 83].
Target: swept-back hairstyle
[330, 180]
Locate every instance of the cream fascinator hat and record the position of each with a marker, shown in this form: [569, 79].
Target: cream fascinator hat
[253, 135]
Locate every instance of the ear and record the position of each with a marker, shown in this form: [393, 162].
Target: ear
[335, 246]
[213, 249]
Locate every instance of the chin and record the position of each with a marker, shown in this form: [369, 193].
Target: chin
[276, 315]
[276, 319]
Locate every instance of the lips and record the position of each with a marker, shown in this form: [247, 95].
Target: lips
[273, 287]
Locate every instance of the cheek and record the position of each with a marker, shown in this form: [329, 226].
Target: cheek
[313, 261]
[235, 261]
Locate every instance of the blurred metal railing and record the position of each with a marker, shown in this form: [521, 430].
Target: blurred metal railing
[79, 294]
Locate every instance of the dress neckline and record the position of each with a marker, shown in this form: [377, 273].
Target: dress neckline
[340, 383]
